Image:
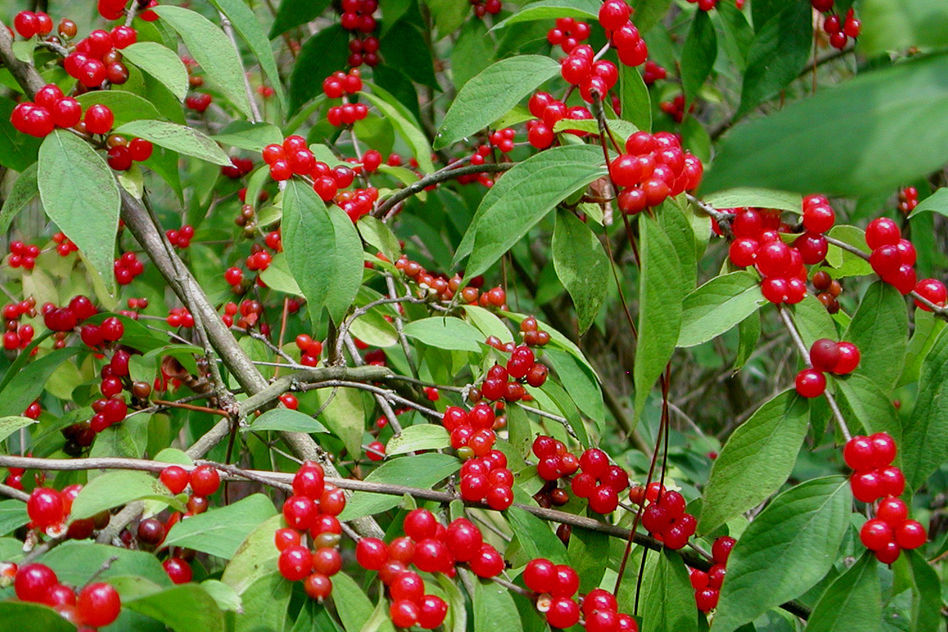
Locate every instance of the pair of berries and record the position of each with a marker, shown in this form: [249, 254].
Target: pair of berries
[707, 585]
[64, 245]
[127, 267]
[339, 84]
[826, 356]
[357, 15]
[363, 51]
[567, 33]
[503, 140]
[204, 480]
[599, 481]
[122, 153]
[908, 199]
[892, 256]
[507, 382]
[66, 318]
[97, 605]
[238, 168]
[554, 460]
[485, 7]
[652, 72]
[653, 168]
[180, 317]
[19, 337]
[28, 24]
[594, 78]
[52, 109]
[471, 431]
[198, 102]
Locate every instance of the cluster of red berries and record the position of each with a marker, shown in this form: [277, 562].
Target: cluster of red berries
[180, 317]
[676, 108]
[357, 15]
[96, 58]
[47, 509]
[357, 202]
[363, 51]
[238, 168]
[893, 259]
[503, 140]
[873, 478]
[614, 16]
[599, 482]
[122, 152]
[95, 606]
[127, 267]
[506, 382]
[23, 255]
[445, 288]
[66, 318]
[50, 110]
[292, 157]
[484, 7]
[17, 335]
[28, 24]
[554, 460]
[567, 33]
[664, 516]
[556, 585]
[705, 5]
[114, 9]
[826, 356]
[346, 114]
[251, 312]
[483, 478]
[310, 349]
[840, 30]
[908, 199]
[653, 168]
[204, 481]
[339, 84]
[594, 78]
[707, 585]
[198, 102]
[652, 72]
[64, 245]
[259, 261]
[180, 238]
[548, 111]
[430, 547]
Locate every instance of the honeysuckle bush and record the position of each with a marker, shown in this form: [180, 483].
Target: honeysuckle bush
[474, 315]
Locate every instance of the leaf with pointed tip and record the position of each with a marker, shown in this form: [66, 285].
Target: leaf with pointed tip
[581, 265]
[852, 602]
[160, 62]
[180, 138]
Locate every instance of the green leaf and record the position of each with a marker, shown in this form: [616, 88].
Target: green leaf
[352, 604]
[888, 25]
[212, 50]
[249, 28]
[580, 381]
[522, 197]
[847, 263]
[380, 236]
[75, 563]
[488, 323]
[404, 123]
[774, 151]
[250, 136]
[409, 51]
[717, 306]
[749, 333]
[787, 549]
[293, 13]
[265, 603]
[116, 488]
[813, 321]
[926, 593]
[777, 54]
[868, 405]
[535, 536]
[927, 328]
[160, 62]
[668, 595]
[255, 558]
[493, 92]
[880, 329]
[581, 265]
[550, 10]
[763, 198]
[182, 608]
[937, 202]
[448, 15]
[852, 602]
[286, 420]
[24, 385]
[587, 548]
[634, 98]
[648, 13]
[12, 515]
[494, 604]
[445, 332]
[220, 531]
[418, 437]
[9, 425]
[661, 293]
[924, 444]
[423, 471]
[473, 52]
[24, 190]
[321, 55]
[343, 412]
[72, 179]
[17, 150]
[323, 249]
[756, 460]
[698, 54]
[738, 35]
[125, 106]
[180, 138]
[21, 615]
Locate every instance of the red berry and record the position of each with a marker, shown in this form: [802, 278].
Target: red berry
[876, 534]
[175, 478]
[721, 549]
[371, 553]
[488, 562]
[295, 563]
[432, 612]
[563, 613]
[420, 524]
[98, 605]
[824, 354]
[614, 14]
[404, 613]
[45, 507]
[33, 581]
[848, 358]
[205, 480]
[98, 119]
[867, 486]
[910, 535]
[882, 232]
[810, 383]
[892, 511]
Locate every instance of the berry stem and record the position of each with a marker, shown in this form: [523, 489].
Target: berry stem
[805, 354]
[435, 178]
